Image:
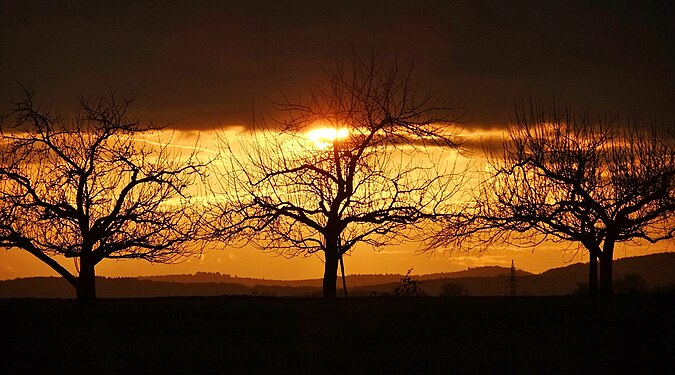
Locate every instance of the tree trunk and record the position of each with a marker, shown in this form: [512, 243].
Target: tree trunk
[593, 275]
[606, 262]
[330, 273]
[86, 283]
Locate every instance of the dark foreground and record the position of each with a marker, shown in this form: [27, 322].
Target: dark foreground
[562, 335]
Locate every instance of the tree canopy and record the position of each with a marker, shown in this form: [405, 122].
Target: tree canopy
[578, 178]
[347, 163]
[90, 188]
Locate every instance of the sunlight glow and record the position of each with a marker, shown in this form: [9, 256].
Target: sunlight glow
[323, 137]
[248, 262]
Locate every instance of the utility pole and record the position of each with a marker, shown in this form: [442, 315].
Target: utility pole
[342, 267]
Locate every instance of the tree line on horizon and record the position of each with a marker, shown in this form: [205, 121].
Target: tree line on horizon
[88, 188]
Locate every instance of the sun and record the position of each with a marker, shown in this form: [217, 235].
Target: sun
[323, 137]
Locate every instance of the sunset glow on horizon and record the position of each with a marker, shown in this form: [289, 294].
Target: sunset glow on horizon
[249, 262]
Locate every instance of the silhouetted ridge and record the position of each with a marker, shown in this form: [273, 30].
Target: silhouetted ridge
[655, 269]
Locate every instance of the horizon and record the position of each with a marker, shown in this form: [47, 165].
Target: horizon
[309, 269]
[649, 274]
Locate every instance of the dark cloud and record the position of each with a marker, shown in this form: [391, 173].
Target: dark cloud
[198, 63]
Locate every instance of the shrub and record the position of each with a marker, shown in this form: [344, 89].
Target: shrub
[408, 287]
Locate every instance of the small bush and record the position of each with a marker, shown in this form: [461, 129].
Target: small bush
[408, 287]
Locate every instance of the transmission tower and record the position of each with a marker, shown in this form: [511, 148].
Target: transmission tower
[513, 282]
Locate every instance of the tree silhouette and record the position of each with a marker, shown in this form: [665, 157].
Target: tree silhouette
[370, 180]
[566, 176]
[87, 189]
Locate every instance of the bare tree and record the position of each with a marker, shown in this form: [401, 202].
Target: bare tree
[350, 163]
[566, 176]
[90, 188]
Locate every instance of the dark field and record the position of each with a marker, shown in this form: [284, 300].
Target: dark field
[363, 335]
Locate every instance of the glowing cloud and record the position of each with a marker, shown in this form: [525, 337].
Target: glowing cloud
[323, 137]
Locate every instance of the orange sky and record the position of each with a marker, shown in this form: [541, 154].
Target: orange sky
[250, 262]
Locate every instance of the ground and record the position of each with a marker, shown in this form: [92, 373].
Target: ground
[256, 335]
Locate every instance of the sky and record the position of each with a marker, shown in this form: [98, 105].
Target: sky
[197, 65]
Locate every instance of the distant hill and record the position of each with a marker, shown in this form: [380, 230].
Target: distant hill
[656, 269]
[485, 271]
[352, 280]
[56, 287]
